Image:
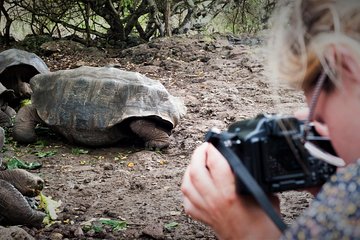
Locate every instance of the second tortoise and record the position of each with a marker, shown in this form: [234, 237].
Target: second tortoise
[17, 67]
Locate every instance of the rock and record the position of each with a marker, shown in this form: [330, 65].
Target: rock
[108, 166]
[79, 232]
[56, 236]
[154, 230]
[63, 46]
[14, 233]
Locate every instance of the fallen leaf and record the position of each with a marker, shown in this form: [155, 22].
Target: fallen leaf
[171, 225]
[50, 206]
[14, 163]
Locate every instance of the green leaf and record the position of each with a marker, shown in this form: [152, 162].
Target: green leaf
[41, 143]
[78, 151]
[14, 163]
[171, 225]
[116, 225]
[25, 102]
[98, 224]
[97, 229]
[50, 206]
[45, 154]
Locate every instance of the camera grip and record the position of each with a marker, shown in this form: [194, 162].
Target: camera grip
[243, 175]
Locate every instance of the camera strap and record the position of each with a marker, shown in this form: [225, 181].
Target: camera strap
[243, 174]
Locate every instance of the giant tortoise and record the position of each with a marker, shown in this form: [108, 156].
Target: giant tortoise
[99, 106]
[14, 185]
[17, 67]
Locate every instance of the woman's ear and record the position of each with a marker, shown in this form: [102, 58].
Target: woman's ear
[343, 60]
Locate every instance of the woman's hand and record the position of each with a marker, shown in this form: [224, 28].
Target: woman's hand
[321, 128]
[210, 196]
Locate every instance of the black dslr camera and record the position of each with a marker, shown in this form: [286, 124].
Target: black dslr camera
[271, 147]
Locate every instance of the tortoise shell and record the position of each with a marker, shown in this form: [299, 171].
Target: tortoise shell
[85, 103]
[28, 63]
[17, 67]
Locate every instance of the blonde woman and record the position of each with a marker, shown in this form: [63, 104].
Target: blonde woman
[315, 44]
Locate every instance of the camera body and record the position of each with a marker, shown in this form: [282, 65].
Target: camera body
[271, 147]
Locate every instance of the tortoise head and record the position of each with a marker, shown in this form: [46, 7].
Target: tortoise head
[27, 183]
[32, 184]
[16, 78]
[24, 89]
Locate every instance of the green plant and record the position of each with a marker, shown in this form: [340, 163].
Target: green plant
[41, 154]
[14, 163]
[171, 225]
[78, 151]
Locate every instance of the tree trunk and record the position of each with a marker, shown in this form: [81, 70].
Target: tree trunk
[167, 15]
[201, 14]
[156, 17]
[7, 24]
[87, 25]
[104, 8]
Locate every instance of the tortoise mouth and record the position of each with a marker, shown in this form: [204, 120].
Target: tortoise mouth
[37, 188]
[39, 185]
[34, 193]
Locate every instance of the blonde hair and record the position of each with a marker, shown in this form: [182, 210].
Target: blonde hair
[302, 33]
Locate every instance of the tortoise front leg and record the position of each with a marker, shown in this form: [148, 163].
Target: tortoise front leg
[5, 120]
[25, 123]
[15, 209]
[6, 113]
[152, 135]
[10, 111]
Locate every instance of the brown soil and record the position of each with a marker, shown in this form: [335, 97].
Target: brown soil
[220, 81]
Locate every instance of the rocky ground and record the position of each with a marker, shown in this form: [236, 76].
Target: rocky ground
[220, 79]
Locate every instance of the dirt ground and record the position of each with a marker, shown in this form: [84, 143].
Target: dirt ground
[220, 79]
